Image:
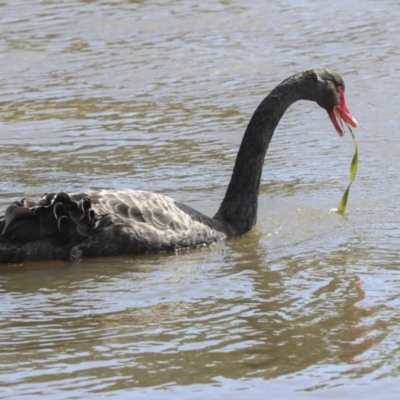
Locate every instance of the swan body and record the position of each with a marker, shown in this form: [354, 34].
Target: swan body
[106, 222]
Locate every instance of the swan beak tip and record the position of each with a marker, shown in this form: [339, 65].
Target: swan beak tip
[353, 123]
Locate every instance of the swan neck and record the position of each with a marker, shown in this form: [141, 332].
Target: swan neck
[238, 210]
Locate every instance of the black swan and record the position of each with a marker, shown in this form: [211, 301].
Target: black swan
[108, 222]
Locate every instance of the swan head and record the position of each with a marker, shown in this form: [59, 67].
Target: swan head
[331, 96]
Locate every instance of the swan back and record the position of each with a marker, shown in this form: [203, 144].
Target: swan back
[104, 222]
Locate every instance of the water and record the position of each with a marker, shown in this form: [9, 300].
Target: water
[156, 96]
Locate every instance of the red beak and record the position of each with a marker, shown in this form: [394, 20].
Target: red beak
[341, 112]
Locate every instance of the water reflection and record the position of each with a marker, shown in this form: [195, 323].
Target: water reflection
[158, 320]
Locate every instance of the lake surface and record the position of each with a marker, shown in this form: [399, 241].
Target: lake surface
[155, 95]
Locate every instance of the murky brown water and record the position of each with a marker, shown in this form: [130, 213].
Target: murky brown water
[155, 96]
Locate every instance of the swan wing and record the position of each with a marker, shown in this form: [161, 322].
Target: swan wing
[106, 222]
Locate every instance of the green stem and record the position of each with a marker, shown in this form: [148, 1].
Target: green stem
[353, 172]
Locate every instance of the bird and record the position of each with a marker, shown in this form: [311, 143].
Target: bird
[115, 222]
